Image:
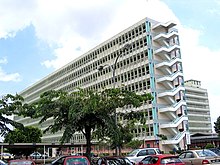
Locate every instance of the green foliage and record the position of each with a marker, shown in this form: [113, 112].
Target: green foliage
[217, 126]
[9, 104]
[85, 111]
[209, 145]
[26, 135]
[134, 144]
[172, 152]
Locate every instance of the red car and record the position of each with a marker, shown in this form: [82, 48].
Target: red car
[71, 160]
[161, 160]
[21, 162]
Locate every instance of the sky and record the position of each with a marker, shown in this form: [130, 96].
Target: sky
[37, 37]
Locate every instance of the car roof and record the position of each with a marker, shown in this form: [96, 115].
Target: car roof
[113, 157]
[148, 148]
[196, 150]
[74, 156]
[164, 156]
[4, 153]
[20, 160]
[145, 149]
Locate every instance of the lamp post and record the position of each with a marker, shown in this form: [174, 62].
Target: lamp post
[113, 68]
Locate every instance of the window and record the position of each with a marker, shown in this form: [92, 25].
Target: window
[146, 160]
[151, 152]
[142, 153]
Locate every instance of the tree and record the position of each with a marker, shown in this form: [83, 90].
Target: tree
[9, 105]
[83, 111]
[209, 145]
[134, 144]
[118, 137]
[217, 126]
[27, 135]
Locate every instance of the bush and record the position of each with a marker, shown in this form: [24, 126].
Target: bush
[209, 145]
[172, 152]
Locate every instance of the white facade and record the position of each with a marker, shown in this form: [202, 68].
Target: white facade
[198, 108]
[153, 64]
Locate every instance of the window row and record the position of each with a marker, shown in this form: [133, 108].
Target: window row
[143, 131]
[135, 45]
[137, 72]
[118, 41]
[135, 87]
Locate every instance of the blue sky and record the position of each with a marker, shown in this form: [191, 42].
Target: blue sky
[38, 36]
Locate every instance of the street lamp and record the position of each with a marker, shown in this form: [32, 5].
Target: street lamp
[113, 68]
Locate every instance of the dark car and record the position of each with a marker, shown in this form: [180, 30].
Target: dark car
[114, 160]
[71, 160]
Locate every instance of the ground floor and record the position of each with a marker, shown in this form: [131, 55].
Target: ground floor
[200, 140]
[55, 149]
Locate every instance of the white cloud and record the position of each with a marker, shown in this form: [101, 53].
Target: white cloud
[3, 60]
[214, 12]
[9, 77]
[84, 26]
[15, 15]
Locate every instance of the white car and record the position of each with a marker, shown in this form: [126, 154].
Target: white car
[37, 155]
[6, 156]
[137, 155]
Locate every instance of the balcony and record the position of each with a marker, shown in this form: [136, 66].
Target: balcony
[167, 25]
[172, 108]
[168, 63]
[164, 50]
[164, 36]
[170, 92]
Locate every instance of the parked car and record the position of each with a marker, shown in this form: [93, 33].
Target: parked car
[137, 155]
[198, 157]
[113, 160]
[215, 150]
[37, 155]
[2, 162]
[21, 162]
[161, 160]
[71, 160]
[6, 156]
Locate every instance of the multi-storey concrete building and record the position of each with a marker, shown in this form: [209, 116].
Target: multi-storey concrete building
[152, 64]
[198, 108]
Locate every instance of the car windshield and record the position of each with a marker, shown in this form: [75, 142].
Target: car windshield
[204, 153]
[77, 161]
[133, 153]
[113, 162]
[215, 150]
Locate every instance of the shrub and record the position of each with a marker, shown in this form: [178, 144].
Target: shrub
[209, 145]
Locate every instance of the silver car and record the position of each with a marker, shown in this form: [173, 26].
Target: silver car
[138, 154]
[199, 157]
